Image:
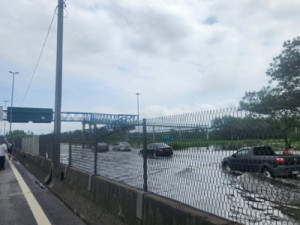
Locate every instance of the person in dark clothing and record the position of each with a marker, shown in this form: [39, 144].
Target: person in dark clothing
[10, 146]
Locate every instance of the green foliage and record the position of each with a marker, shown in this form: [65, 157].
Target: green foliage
[90, 137]
[279, 105]
[285, 69]
[18, 134]
[276, 144]
[237, 128]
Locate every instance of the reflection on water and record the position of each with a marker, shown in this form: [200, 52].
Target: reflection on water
[194, 176]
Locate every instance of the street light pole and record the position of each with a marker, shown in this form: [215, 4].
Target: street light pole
[138, 105]
[12, 98]
[138, 111]
[4, 122]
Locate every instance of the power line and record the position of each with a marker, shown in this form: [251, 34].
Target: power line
[39, 58]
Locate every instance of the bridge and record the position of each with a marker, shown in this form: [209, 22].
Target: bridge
[99, 118]
[112, 122]
[41, 116]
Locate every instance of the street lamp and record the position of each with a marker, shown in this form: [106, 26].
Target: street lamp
[138, 106]
[138, 111]
[12, 97]
[5, 108]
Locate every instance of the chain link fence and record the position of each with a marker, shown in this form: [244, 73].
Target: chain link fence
[194, 171]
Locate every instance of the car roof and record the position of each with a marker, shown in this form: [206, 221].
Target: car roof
[159, 144]
[122, 142]
[262, 147]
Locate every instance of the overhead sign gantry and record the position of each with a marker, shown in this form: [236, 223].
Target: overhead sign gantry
[46, 115]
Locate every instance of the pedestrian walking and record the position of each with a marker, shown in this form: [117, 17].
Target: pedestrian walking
[3, 151]
[10, 146]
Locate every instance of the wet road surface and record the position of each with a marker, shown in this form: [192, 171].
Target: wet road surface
[194, 176]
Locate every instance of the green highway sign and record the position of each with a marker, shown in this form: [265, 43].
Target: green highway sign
[25, 115]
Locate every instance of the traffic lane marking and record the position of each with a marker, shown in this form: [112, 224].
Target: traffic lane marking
[36, 209]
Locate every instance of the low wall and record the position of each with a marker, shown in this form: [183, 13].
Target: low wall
[98, 199]
[40, 167]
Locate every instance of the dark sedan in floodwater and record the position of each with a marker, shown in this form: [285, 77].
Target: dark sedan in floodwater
[102, 147]
[158, 149]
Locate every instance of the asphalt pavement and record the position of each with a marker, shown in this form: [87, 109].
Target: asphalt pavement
[25, 201]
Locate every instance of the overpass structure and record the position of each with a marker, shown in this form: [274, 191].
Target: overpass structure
[125, 121]
[100, 118]
[37, 116]
[111, 121]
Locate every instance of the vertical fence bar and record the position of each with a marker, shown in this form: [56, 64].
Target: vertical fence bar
[70, 149]
[145, 186]
[95, 150]
[83, 135]
[96, 160]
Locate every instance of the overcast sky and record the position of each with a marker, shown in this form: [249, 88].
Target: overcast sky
[181, 55]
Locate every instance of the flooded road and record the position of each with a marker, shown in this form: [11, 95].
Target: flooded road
[194, 176]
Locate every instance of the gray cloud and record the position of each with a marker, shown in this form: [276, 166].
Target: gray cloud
[181, 55]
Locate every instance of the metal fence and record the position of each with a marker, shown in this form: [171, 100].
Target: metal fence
[31, 144]
[194, 174]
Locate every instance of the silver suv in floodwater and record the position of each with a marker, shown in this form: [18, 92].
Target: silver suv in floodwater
[122, 146]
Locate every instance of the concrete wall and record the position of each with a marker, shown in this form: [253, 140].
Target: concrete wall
[40, 167]
[99, 200]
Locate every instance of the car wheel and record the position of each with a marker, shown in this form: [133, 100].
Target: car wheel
[226, 167]
[267, 172]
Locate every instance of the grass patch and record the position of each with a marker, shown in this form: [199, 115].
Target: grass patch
[226, 145]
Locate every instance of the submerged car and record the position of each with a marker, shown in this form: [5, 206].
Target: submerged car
[262, 159]
[102, 147]
[158, 149]
[122, 146]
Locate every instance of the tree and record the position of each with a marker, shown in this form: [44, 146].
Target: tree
[18, 134]
[279, 104]
[235, 128]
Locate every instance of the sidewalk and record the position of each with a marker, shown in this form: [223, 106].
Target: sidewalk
[25, 201]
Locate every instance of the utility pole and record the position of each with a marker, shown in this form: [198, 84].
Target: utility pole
[58, 89]
[12, 98]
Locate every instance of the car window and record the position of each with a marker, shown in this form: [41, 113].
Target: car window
[155, 145]
[265, 150]
[162, 145]
[125, 143]
[243, 152]
[150, 146]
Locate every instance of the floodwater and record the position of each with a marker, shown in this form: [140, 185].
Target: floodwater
[194, 176]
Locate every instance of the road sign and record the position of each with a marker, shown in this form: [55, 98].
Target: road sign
[25, 115]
